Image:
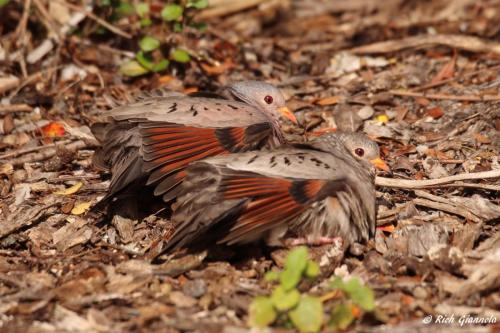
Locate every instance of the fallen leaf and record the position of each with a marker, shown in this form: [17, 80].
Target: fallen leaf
[81, 208]
[70, 190]
[53, 130]
[190, 90]
[329, 100]
[165, 79]
[382, 118]
[435, 112]
[422, 101]
[481, 138]
[448, 70]
[218, 69]
[387, 228]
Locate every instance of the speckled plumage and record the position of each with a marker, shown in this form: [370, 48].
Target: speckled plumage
[315, 190]
[151, 141]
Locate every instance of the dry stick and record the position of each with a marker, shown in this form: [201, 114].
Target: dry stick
[445, 207]
[471, 185]
[15, 108]
[30, 150]
[412, 184]
[45, 154]
[468, 43]
[452, 79]
[226, 7]
[468, 98]
[91, 15]
[21, 27]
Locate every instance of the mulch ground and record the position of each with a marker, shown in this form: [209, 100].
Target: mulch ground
[422, 78]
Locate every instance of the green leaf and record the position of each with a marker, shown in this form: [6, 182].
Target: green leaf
[261, 312]
[161, 65]
[360, 294]
[3, 3]
[180, 55]
[295, 265]
[178, 27]
[172, 12]
[198, 4]
[148, 44]
[142, 9]
[132, 68]
[145, 22]
[290, 278]
[125, 9]
[337, 283]
[271, 276]
[342, 316]
[200, 26]
[312, 269]
[297, 258]
[308, 315]
[285, 300]
[145, 60]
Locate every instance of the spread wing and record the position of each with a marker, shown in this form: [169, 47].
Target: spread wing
[157, 138]
[237, 199]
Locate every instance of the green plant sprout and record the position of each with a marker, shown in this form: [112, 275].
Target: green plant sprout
[150, 57]
[286, 306]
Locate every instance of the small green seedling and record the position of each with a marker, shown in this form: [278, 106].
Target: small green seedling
[286, 306]
[151, 57]
[3, 3]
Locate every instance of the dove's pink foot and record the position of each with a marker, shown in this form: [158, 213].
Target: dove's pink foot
[318, 241]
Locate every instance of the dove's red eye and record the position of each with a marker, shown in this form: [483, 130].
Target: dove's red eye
[359, 151]
[268, 99]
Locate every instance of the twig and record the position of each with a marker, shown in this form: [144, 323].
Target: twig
[471, 185]
[226, 7]
[92, 16]
[7, 83]
[446, 207]
[21, 27]
[45, 154]
[468, 43]
[452, 79]
[413, 184]
[15, 108]
[34, 77]
[18, 152]
[468, 98]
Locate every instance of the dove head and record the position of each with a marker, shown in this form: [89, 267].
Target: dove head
[263, 96]
[359, 146]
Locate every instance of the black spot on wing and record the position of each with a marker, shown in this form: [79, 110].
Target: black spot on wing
[172, 108]
[226, 139]
[250, 161]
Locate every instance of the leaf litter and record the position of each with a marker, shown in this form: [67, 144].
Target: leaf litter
[425, 87]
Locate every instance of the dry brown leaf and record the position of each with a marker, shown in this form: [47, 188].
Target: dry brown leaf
[448, 70]
[70, 190]
[81, 208]
[435, 112]
[481, 138]
[329, 100]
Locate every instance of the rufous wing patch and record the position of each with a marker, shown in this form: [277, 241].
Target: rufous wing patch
[169, 148]
[272, 201]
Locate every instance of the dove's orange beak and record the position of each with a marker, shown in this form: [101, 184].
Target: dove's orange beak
[380, 164]
[285, 112]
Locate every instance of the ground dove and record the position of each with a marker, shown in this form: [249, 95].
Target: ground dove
[309, 193]
[150, 142]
